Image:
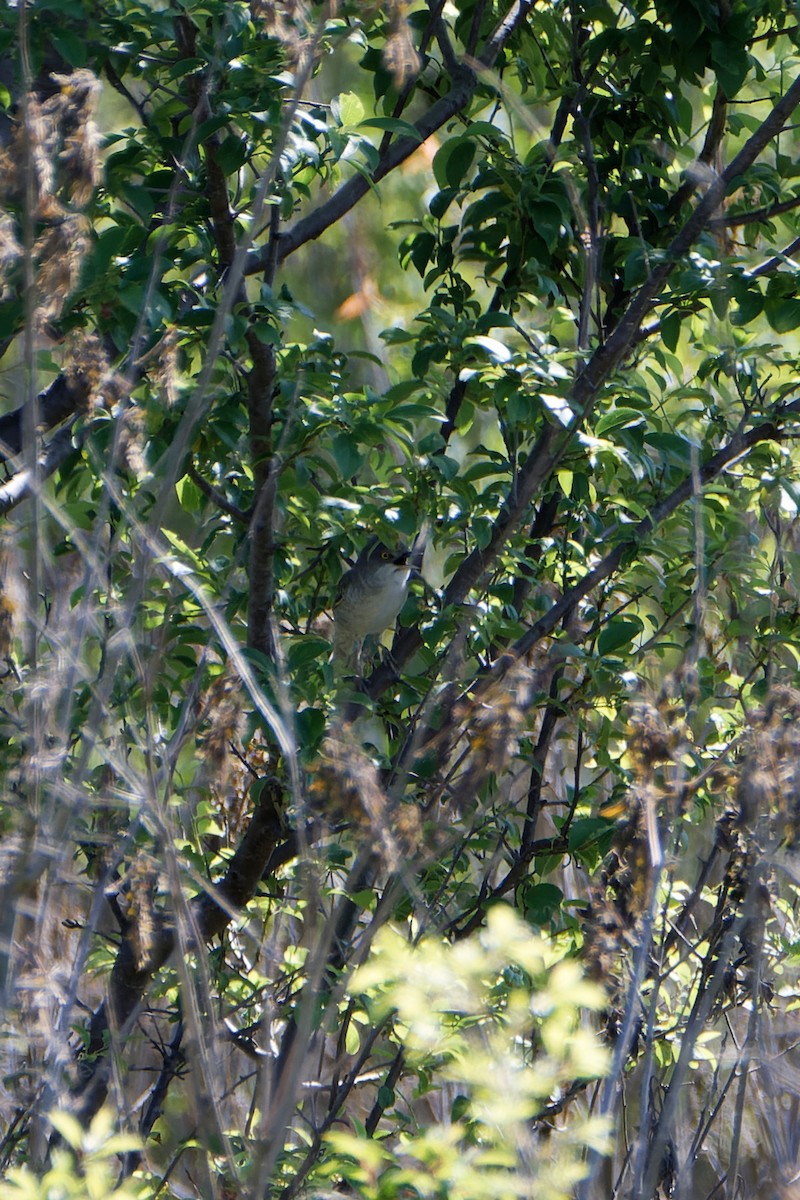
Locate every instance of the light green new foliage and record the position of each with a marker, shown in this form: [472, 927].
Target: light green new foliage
[500, 1019]
[84, 1167]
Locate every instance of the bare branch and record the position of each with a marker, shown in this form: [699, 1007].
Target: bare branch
[757, 215]
[21, 485]
[130, 978]
[216, 497]
[66, 396]
[778, 260]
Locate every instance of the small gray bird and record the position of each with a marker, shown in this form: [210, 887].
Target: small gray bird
[368, 600]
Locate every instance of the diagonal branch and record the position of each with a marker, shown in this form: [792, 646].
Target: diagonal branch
[554, 441]
[740, 443]
[757, 215]
[348, 195]
[265, 842]
[23, 484]
[66, 396]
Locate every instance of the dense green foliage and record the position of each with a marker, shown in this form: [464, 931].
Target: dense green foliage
[512, 279]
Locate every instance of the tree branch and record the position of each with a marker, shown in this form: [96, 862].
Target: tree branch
[347, 196]
[260, 382]
[263, 842]
[554, 440]
[211, 493]
[21, 485]
[739, 444]
[756, 215]
[66, 396]
[777, 260]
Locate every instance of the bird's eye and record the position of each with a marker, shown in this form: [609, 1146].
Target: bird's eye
[386, 554]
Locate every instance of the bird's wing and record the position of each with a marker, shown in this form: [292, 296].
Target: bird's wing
[342, 586]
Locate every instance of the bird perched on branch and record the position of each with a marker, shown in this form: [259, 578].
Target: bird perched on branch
[368, 600]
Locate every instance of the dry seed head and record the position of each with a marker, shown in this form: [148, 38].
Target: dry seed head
[139, 905]
[768, 795]
[619, 895]
[131, 439]
[494, 725]
[223, 710]
[650, 739]
[63, 143]
[165, 372]
[70, 115]
[345, 785]
[88, 371]
[400, 55]
[10, 251]
[10, 159]
[256, 762]
[7, 614]
[59, 252]
[288, 21]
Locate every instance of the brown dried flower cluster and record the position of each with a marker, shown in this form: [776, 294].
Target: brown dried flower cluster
[132, 424]
[400, 56]
[654, 732]
[620, 893]
[137, 896]
[288, 21]
[493, 726]
[89, 374]
[64, 139]
[58, 143]
[10, 251]
[165, 373]
[345, 786]
[7, 617]
[58, 252]
[768, 794]
[222, 719]
[240, 770]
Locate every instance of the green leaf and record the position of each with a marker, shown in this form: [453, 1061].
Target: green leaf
[618, 418]
[586, 831]
[782, 313]
[749, 305]
[617, 633]
[348, 109]
[231, 154]
[72, 48]
[310, 724]
[496, 350]
[440, 203]
[81, 514]
[346, 453]
[731, 64]
[589, 838]
[452, 161]
[190, 497]
[541, 901]
[305, 650]
[393, 125]
[671, 330]
[547, 220]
